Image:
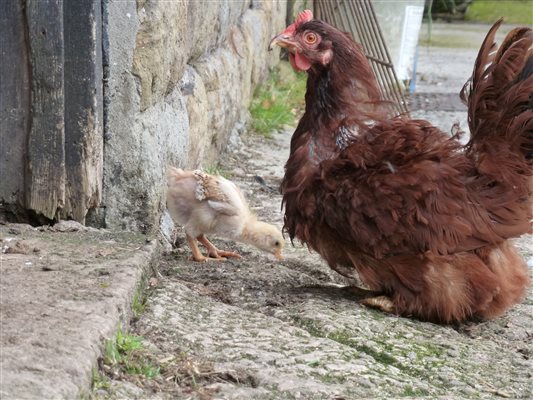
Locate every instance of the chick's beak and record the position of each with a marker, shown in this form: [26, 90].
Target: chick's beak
[278, 255]
[282, 40]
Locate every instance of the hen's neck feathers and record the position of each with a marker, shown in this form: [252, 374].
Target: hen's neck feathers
[345, 93]
[346, 88]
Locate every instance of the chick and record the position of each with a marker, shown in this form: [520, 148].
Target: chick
[205, 204]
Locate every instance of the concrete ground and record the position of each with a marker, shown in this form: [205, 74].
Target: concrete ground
[63, 290]
[244, 329]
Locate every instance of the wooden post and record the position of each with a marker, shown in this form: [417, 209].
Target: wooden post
[83, 107]
[14, 102]
[51, 108]
[45, 179]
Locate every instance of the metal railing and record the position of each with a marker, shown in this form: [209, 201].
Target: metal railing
[358, 18]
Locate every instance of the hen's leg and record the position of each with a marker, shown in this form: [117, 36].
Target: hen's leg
[214, 252]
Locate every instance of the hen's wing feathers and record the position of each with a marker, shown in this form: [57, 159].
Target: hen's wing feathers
[411, 198]
[412, 221]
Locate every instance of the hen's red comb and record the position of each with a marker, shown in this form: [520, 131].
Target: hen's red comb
[302, 18]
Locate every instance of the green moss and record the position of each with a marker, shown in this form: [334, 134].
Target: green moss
[380, 356]
[409, 391]
[430, 350]
[384, 352]
[329, 378]
[309, 325]
[279, 101]
[248, 356]
[344, 337]
[513, 11]
[376, 315]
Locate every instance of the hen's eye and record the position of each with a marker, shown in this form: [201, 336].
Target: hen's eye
[310, 38]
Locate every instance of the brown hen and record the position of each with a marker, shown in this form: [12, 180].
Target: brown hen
[423, 220]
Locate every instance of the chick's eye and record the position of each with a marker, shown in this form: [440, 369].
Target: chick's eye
[276, 243]
[310, 38]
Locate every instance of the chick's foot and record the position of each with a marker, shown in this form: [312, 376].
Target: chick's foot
[202, 258]
[214, 252]
[223, 254]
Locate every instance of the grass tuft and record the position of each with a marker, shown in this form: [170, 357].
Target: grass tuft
[125, 352]
[139, 301]
[216, 170]
[280, 101]
[99, 380]
[513, 11]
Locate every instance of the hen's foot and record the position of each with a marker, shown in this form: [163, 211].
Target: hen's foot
[382, 303]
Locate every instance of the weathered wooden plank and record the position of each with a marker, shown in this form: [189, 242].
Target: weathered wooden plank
[14, 102]
[45, 179]
[83, 107]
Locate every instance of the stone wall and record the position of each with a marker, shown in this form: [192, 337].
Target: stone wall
[179, 79]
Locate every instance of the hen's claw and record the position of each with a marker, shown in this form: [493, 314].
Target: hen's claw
[382, 303]
[373, 299]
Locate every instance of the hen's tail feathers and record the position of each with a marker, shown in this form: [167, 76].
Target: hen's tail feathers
[499, 96]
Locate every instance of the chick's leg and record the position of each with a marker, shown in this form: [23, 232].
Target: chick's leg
[196, 254]
[214, 252]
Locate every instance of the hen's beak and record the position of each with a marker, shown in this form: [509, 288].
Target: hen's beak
[282, 40]
[278, 255]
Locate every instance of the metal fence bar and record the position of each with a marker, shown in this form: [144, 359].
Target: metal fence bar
[364, 36]
[358, 17]
[376, 46]
[384, 53]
